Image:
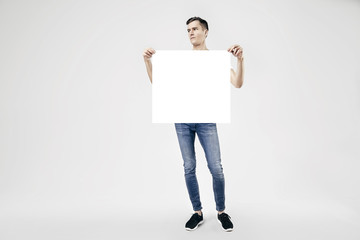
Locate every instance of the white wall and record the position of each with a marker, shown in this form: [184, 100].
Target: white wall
[76, 138]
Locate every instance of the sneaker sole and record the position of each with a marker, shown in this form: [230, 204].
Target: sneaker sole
[226, 230]
[192, 229]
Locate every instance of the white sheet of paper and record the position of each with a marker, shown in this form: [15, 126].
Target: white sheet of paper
[191, 86]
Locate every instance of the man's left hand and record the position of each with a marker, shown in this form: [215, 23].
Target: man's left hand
[236, 50]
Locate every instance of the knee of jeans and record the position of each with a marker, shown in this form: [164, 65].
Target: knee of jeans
[216, 171]
[189, 168]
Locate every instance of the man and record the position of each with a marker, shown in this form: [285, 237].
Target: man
[207, 133]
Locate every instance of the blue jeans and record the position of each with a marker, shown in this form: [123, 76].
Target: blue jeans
[207, 134]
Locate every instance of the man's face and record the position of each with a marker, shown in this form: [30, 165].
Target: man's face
[196, 33]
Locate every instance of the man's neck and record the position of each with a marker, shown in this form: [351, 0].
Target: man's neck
[200, 47]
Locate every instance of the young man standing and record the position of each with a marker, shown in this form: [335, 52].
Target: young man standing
[207, 133]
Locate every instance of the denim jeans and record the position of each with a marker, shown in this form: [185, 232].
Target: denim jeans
[207, 134]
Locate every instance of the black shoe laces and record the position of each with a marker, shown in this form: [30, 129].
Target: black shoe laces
[194, 218]
[224, 217]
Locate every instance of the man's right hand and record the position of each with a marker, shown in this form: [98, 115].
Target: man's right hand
[148, 53]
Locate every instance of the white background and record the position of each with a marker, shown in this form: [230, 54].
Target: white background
[80, 158]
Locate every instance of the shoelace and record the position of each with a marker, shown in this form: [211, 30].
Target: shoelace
[194, 217]
[224, 216]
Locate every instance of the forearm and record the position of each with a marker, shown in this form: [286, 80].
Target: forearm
[239, 76]
[149, 68]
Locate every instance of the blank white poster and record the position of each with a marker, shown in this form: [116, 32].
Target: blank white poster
[191, 86]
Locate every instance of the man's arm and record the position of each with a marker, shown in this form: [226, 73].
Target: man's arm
[149, 68]
[237, 78]
[147, 59]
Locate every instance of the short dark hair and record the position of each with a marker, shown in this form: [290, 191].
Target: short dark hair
[203, 23]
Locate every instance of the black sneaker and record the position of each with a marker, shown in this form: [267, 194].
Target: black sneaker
[194, 222]
[225, 221]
